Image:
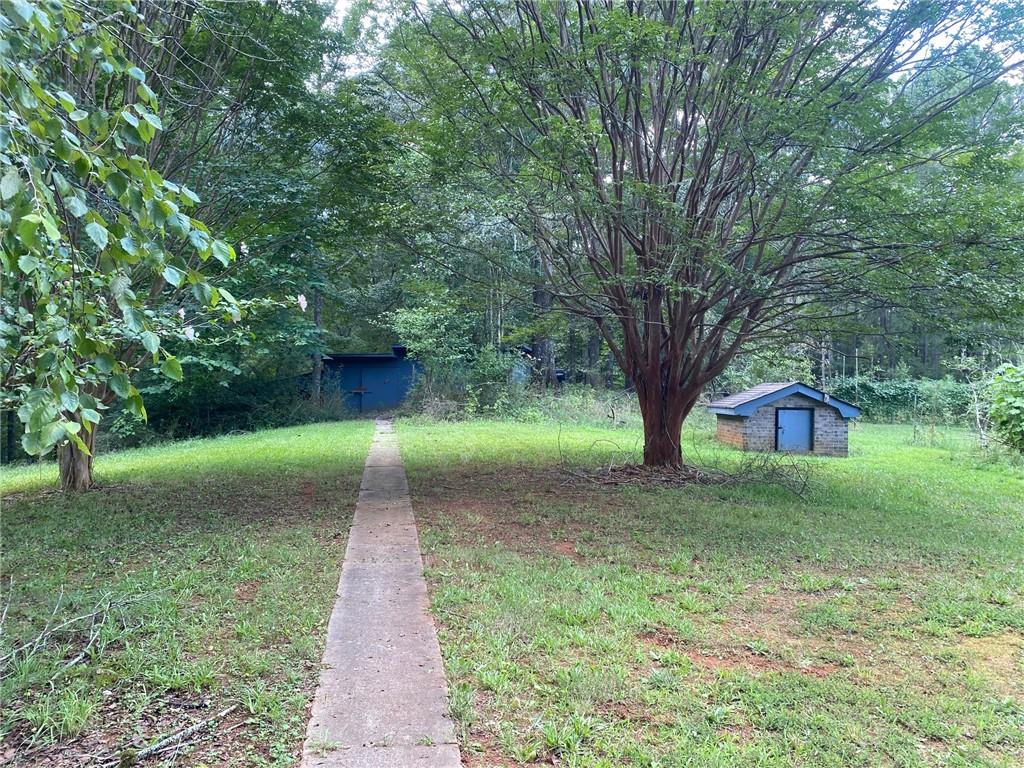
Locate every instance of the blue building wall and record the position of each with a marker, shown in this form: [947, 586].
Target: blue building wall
[371, 382]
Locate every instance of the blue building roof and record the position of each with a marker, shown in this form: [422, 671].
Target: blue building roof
[397, 352]
[745, 403]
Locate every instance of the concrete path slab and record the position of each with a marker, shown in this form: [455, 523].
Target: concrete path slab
[382, 701]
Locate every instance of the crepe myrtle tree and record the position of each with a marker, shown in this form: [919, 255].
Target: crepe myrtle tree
[699, 175]
[102, 264]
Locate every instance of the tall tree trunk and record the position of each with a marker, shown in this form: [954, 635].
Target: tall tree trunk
[544, 354]
[593, 359]
[572, 365]
[664, 410]
[316, 385]
[10, 438]
[543, 346]
[76, 465]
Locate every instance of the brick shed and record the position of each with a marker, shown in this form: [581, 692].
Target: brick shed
[785, 416]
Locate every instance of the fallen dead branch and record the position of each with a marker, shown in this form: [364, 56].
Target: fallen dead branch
[91, 623]
[170, 742]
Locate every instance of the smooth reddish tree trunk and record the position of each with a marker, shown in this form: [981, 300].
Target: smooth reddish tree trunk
[76, 465]
[664, 413]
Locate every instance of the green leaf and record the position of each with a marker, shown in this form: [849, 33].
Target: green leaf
[120, 384]
[147, 95]
[11, 184]
[105, 362]
[69, 400]
[78, 115]
[52, 433]
[136, 406]
[79, 443]
[28, 264]
[136, 74]
[173, 275]
[171, 368]
[76, 207]
[151, 342]
[66, 100]
[223, 252]
[179, 224]
[117, 183]
[200, 240]
[62, 183]
[27, 231]
[22, 10]
[31, 444]
[97, 233]
[90, 416]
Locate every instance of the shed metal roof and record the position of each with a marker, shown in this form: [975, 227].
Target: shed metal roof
[351, 357]
[397, 353]
[746, 402]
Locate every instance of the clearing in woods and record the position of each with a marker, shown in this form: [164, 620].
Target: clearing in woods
[877, 619]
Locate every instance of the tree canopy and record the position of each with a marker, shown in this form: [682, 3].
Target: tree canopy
[696, 179]
[201, 199]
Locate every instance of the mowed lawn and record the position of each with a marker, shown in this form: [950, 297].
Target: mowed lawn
[210, 567]
[877, 620]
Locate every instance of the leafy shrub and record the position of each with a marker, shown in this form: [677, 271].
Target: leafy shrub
[1006, 411]
[127, 430]
[488, 387]
[206, 405]
[942, 401]
[439, 335]
[773, 365]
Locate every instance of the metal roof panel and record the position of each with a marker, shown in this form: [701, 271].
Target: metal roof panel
[746, 402]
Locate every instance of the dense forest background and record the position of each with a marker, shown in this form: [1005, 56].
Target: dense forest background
[354, 229]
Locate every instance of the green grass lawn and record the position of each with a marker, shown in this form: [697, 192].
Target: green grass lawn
[213, 564]
[876, 620]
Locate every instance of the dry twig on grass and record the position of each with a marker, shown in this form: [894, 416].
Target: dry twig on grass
[169, 742]
[92, 620]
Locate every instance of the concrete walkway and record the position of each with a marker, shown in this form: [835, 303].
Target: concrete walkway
[382, 699]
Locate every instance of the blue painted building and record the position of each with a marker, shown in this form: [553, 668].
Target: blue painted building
[370, 381]
[785, 416]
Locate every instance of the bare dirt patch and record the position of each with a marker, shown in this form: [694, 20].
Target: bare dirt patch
[662, 637]
[1000, 659]
[738, 734]
[307, 495]
[566, 549]
[730, 658]
[520, 508]
[754, 663]
[246, 591]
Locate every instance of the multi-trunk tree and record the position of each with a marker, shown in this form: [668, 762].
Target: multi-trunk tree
[700, 175]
